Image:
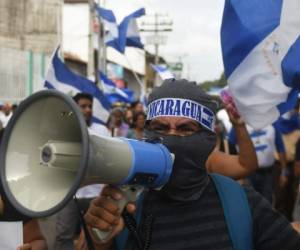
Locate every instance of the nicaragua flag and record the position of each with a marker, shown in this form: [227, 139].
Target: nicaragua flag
[61, 78]
[125, 34]
[261, 51]
[113, 93]
[163, 72]
[129, 31]
[111, 37]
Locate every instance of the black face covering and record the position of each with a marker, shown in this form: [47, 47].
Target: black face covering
[189, 176]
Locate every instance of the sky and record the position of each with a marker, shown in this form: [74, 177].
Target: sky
[195, 39]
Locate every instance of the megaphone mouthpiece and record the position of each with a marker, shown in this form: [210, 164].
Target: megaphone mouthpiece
[61, 155]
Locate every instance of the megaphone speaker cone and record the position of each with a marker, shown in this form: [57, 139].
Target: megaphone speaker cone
[45, 118]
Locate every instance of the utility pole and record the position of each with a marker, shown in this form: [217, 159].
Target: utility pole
[158, 27]
[156, 44]
[60, 7]
[90, 66]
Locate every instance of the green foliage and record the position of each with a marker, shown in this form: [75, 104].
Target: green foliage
[219, 83]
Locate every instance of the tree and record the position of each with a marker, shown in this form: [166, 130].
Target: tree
[219, 83]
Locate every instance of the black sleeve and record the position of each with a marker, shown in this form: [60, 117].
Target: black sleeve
[271, 230]
[297, 151]
[10, 213]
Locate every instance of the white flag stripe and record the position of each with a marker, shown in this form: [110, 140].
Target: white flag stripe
[133, 29]
[112, 31]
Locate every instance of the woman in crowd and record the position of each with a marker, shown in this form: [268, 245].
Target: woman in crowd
[137, 132]
[116, 123]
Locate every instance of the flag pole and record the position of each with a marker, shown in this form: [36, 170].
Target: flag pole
[143, 92]
[103, 44]
[101, 47]
[60, 26]
[100, 43]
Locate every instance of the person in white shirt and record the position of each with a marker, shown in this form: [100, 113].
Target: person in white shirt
[266, 142]
[5, 114]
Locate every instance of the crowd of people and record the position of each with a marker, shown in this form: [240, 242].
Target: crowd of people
[189, 212]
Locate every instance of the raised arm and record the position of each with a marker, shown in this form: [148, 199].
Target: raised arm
[235, 166]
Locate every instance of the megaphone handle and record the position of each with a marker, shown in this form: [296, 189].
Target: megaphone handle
[130, 194]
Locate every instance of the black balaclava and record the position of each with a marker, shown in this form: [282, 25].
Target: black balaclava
[189, 176]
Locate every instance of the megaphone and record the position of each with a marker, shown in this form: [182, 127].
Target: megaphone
[47, 154]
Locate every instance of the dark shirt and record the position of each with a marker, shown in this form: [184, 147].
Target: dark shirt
[201, 224]
[191, 225]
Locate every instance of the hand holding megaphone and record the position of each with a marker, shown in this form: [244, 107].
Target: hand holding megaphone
[104, 214]
[112, 202]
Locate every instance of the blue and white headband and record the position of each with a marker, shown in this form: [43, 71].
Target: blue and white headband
[182, 108]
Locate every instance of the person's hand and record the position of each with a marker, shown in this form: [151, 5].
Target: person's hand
[230, 107]
[296, 226]
[26, 246]
[104, 213]
[283, 180]
[1, 206]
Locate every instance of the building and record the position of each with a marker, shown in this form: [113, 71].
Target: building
[29, 25]
[30, 30]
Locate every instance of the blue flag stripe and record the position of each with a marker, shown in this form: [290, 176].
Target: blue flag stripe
[106, 14]
[258, 133]
[48, 85]
[244, 26]
[261, 148]
[291, 66]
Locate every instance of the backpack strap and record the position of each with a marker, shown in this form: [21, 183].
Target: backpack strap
[236, 211]
[121, 241]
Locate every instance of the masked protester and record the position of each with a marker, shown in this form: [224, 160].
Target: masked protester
[189, 211]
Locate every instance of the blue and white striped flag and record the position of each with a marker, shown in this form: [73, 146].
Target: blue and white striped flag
[129, 31]
[111, 37]
[61, 78]
[113, 93]
[261, 51]
[163, 72]
[125, 34]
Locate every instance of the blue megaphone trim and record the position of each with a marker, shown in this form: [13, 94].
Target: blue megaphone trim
[152, 164]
